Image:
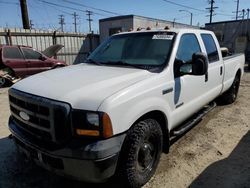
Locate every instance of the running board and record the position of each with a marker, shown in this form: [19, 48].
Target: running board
[193, 121]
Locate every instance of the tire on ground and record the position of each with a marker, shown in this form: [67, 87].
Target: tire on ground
[230, 95]
[140, 153]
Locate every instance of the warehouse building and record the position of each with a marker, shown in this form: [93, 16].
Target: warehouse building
[233, 34]
[109, 26]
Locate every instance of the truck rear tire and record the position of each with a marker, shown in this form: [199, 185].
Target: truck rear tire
[230, 95]
[140, 153]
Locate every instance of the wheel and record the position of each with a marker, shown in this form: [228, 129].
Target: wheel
[2, 82]
[230, 96]
[141, 153]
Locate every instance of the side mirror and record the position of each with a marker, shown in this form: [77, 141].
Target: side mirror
[42, 58]
[224, 51]
[198, 66]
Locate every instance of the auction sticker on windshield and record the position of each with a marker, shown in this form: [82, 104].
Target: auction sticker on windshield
[163, 37]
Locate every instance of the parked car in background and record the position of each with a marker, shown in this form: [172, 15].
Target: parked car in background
[21, 61]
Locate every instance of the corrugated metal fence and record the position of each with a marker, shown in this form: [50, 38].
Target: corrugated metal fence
[76, 45]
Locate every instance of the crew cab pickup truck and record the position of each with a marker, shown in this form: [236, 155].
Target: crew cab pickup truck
[117, 112]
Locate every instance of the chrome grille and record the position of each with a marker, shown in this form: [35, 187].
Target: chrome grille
[41, 113]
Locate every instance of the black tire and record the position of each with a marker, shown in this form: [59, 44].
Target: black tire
[230, 95]
[3, 82]
[140, 153]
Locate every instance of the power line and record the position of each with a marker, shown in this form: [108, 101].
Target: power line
[71, 8]
[188, 7]
[184, 6]
[10, 3]
[94, 8]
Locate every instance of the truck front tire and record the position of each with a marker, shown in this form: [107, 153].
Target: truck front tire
[141, 153]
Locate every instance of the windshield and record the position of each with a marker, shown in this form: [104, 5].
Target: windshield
[139, 50]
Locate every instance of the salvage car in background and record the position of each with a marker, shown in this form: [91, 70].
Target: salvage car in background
[21, 61]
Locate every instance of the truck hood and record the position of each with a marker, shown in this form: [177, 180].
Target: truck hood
[83, 86]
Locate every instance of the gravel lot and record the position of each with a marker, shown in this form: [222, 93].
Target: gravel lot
[216, 153]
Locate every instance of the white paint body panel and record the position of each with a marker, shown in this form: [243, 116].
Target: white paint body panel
[126, 94]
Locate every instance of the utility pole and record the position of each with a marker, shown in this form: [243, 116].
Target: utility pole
[211, 10]
[25, 15]
[61, 21]
[191, 15]
[237, 9]
[75, 24]
[89, 13]
[174, 22]
[248, 13]
[31, 24]
[243, 14]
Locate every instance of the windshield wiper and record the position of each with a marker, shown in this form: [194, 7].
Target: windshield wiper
[123, 63]
[91, 61]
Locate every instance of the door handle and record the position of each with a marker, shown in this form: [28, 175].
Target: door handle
[221, 70]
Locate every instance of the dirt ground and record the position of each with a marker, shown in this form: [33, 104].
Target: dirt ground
[216, 153]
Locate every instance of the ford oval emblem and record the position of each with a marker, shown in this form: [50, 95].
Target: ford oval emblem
[24, 116]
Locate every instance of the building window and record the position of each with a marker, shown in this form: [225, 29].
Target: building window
[114, 30]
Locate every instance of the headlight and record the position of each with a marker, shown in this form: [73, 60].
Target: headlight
[93, 119]
[86, 123]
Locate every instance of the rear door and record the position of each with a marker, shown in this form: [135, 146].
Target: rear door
[216, 67]
[13, 58]
[35, 61]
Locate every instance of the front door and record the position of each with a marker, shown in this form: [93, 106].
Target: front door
[34, 60]
[189, 90]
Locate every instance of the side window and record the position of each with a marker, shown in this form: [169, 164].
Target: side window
[31, 54]
[211, 48]
[187, 47]
[12, 53]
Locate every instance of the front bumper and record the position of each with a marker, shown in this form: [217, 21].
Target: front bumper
[92, 162]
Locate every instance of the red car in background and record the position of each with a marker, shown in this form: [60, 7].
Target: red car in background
[22, 61]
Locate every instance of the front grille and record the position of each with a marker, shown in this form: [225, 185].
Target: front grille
[43, 121]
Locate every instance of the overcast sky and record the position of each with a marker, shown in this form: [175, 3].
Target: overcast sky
[45, 13]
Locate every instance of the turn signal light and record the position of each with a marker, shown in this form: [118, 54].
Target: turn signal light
[83, 132]
[107, 126]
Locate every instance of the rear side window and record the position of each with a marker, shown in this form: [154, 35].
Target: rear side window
[211, 48]
[31, 54]
[12, 53]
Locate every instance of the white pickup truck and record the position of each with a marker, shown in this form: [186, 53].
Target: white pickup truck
[118, 111]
